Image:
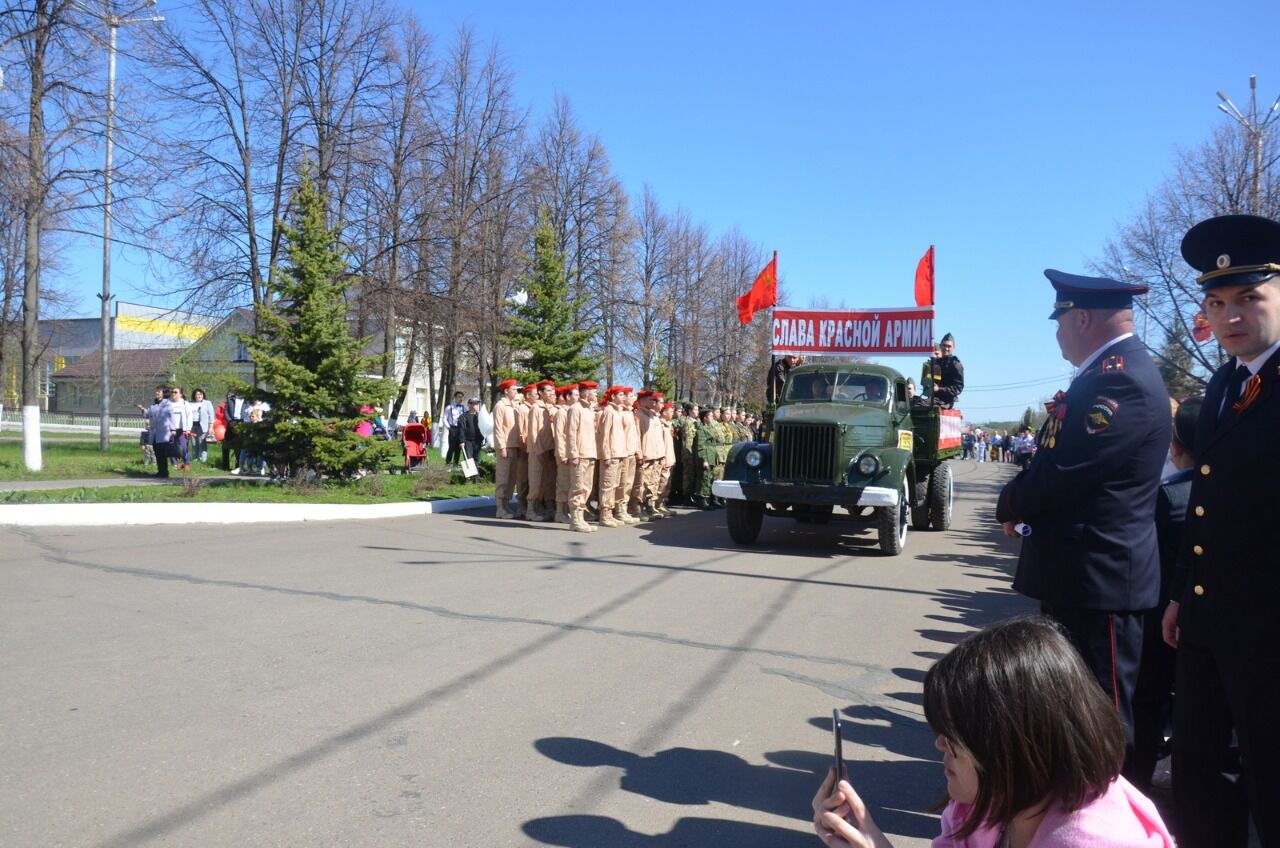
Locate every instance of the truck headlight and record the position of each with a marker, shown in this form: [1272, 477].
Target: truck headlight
[753, 458]
[868, 465]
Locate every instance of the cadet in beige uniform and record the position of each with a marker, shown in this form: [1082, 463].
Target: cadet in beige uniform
[541, 445]
[506, 445]
[653, 450]
[629, 468]
[613, 456]
[568, 398]
[524, 406]
[580, 449]
[669, 459]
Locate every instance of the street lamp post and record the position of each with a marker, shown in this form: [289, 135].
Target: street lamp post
[1256, 131]
[113, 22]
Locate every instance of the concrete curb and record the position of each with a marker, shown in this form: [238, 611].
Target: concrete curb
[106, 515]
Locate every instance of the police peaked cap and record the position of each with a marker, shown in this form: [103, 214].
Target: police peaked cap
[1233, 250]
[1077, 292]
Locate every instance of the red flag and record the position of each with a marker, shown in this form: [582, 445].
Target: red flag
[924, 279]
[763, 294]
[1200, 329]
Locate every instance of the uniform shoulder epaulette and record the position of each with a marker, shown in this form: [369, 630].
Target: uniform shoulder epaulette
[1112, 363]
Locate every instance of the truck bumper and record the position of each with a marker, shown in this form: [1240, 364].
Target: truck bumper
[781, 493]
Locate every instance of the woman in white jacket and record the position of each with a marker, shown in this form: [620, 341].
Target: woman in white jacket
[201, 424]
[180, 421]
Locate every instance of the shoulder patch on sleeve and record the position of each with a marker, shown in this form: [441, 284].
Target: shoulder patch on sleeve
[1112, 363]
[1100, 415]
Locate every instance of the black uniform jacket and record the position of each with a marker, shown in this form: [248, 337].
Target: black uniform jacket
[1089, 493]
[948, 378]
[1228, 576]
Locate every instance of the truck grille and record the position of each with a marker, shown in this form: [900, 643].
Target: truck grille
[806, 453]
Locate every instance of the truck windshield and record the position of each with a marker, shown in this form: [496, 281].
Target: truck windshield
[864, 388]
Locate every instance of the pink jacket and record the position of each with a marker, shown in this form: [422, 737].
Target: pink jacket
[1121, 818]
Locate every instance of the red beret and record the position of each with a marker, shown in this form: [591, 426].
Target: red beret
[588, 384]
[564, 390]
[668, 406]
[531, 387]
[657, 395]
[644, 394]
[543, 383]
[506, 384]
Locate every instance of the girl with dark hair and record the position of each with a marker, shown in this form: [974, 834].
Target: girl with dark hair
[1032, 752]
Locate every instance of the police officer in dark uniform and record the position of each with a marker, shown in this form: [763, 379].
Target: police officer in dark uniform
[1224, 621]
[1088, 496]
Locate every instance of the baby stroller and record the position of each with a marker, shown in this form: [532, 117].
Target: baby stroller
[416, 444]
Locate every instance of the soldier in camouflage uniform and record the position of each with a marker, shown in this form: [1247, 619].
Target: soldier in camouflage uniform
[705, 446]
[687, 427]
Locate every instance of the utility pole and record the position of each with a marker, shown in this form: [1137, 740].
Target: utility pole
[1255, 133]
[113, 22]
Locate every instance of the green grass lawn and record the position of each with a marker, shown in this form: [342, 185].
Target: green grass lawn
[433, 483]
[76, 457]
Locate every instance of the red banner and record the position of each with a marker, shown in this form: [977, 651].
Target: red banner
[950, 433]
[824, 332]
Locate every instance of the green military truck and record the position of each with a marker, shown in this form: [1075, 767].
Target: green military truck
[846, 435]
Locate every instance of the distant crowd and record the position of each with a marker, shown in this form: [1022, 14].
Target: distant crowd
[998, 446]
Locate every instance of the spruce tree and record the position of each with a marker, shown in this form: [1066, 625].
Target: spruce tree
[312, 369]
[542, 336]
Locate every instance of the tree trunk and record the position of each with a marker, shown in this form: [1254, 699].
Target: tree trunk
[34, 211]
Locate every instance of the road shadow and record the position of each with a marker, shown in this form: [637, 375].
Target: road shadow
[604, 832]
[900, 793]
[783, 536]
[784, 786]
[694, 776]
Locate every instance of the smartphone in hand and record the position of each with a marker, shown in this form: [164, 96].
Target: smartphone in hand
[839, 752]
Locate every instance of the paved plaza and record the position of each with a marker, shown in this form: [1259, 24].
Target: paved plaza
[453, 680]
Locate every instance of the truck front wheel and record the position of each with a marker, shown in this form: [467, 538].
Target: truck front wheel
[744, 519]
[892, 522]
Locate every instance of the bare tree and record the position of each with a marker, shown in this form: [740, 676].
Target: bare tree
[477, 122]
[50, 154]
[1232, 173]
[651, 309]
[573, 181]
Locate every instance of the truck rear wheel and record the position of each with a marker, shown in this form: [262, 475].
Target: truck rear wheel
[920, 505]
[744, 519]
[892, 522]
[941, 497]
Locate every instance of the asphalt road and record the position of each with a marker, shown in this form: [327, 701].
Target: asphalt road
[453, 680]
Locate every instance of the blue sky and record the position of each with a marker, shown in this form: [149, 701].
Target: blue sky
[851, 136]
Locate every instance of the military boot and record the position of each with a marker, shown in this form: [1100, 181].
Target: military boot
[620, 514]
[562, 513]
[656, 511]
[608, 519]
[579, 524]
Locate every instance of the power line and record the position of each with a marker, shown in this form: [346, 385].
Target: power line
[1021, 384]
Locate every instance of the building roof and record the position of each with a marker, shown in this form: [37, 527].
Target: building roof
[152, 362]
